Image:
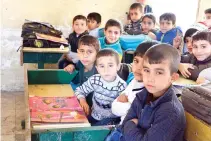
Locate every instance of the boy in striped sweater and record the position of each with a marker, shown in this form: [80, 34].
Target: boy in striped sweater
[106, 85]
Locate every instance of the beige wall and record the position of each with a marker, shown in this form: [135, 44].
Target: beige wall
[56, 12]
[59, 12]
[203, 4]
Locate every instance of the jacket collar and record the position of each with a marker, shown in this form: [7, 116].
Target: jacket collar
[167, 96]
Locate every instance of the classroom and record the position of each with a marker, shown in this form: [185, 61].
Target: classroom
[77, 70]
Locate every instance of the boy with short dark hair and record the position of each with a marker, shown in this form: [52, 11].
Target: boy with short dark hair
[122, 104]
[168, 30]
[200, 59]
[88, 47]
[135, 14]
[106, 85]
[79, 26]
[112, 31]
[156, 113]
[207, 13]
[94, 21]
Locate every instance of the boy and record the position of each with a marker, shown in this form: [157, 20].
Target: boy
[148, 25]
[147, 8]
[122, 104]
[112, 31]
[168, 31]
[200, 59]
[79, 29]
[88, 47]
[156, 113]
[135, 14]
[94, 21]
[207, 13]
[106, 85]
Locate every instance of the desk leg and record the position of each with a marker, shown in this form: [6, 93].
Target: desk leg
[40, 65]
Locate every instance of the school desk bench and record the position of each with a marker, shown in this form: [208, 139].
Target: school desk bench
[52, 83]
[41, 56]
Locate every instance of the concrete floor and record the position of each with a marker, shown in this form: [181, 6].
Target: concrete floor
[12, 113]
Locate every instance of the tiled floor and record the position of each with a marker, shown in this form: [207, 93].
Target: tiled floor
[12, 113]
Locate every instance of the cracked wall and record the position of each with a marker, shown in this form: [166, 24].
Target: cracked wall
[56, 12]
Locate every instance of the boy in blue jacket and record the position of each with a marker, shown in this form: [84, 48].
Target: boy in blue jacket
[168, 30]
[156, 113]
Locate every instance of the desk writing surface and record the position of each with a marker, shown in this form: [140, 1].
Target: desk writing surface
[183, 81]
[46, 50]
[51, 90]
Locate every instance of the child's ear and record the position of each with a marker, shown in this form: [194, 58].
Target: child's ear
[118, 67]
[98, 25]
[174, 77]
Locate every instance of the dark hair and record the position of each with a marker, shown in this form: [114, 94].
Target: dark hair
[89, 41]
[163, 52]
[150, 16]
[113, 22]
[94, 16]
[79, 17]
[189, 33]
[108, 52]
[207, 11]
[168, 17]
[202, 35]
[136, 6]
[143, 47]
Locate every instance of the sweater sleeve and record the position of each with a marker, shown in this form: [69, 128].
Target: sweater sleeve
[186, 58]
[167, 126]
[119, 108]
[85, 89]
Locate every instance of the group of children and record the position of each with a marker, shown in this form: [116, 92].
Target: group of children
[148, 107]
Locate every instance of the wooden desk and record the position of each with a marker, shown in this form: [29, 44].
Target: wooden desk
[196, 130]
[42, 55]
[47, 83]
[53, 90]
[183, 82]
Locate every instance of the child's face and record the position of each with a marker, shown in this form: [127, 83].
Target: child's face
[188, 41]
[107, 67]
[112, 34]
[79, 26]
[208, 16]
[137, 67]
[166, 25]
[87, 55]
[157, 77]
[147, 25]
[92, 24]
[201, 49]
[135, 14]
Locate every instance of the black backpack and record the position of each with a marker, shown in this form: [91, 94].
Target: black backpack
[32, 29]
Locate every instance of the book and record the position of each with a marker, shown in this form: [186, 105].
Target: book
[56, 110]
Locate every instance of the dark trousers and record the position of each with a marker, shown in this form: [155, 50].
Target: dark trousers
[106, 121]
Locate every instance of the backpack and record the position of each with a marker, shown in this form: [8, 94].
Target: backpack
[40, 34]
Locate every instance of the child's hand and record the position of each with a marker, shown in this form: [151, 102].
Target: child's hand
[84, 105]
[200, 80]
[70, 68]
[183, 68]
[122, 98]
[177, 41]
[135, 120]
